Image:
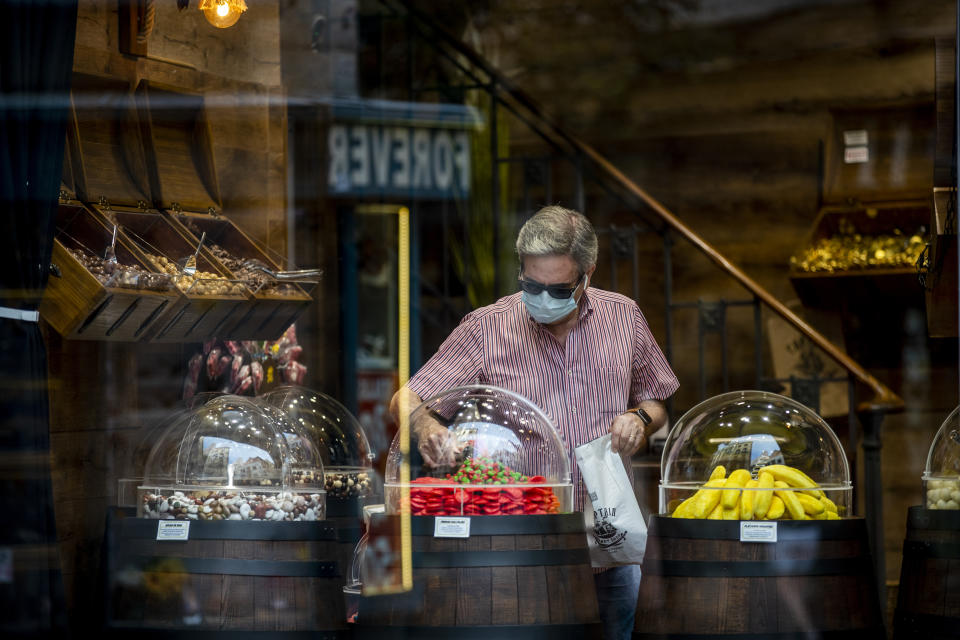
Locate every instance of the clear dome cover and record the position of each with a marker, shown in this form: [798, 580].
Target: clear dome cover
[941, 478]
[481, 450]
[231, 459]
[767, 456]
[337, 436]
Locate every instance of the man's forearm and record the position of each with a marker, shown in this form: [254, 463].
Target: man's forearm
[403, 399]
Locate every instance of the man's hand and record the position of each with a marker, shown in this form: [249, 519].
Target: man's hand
[438, 447]
[436, 443]
[628, 433]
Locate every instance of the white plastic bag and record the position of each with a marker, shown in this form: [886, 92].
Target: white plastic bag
[616, 531]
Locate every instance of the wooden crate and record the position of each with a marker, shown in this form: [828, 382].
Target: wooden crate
[867, 286]
[80, 306]
[276, 305]
[203, 315]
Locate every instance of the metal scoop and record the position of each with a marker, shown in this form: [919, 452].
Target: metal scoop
[110, 255]
[188, 265]
[301, 275]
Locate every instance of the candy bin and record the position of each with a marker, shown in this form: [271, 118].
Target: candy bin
[231, 520]
[928, 597]
[749, 480]
[349, 477]
[753, 455]
[491, 527]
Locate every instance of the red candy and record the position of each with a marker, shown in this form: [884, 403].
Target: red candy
[441, 496]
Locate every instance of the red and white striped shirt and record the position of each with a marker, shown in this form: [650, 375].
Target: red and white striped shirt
[610, 363]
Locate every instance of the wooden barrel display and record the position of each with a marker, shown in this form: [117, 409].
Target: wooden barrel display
[263, 579]
[700, 581]
[520, 577]
[928, 600]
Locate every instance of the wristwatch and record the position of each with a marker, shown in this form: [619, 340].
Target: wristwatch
[643, 415]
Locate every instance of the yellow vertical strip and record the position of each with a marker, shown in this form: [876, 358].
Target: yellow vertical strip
[403, 372]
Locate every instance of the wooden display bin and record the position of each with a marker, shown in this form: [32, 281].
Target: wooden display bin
[80, 306]
[202, 315]
[276, 305]
[866, 286]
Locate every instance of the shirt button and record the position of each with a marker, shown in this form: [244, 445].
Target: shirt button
[573, 409]
[570, 372]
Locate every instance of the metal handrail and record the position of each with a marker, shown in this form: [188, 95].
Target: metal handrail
[884, 400]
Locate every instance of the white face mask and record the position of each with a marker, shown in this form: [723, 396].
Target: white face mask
[546, 309]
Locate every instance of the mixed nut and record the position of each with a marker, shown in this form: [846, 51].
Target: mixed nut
[255, 279]
[231, 505]
[113, 274]
[348, 485]
[201, 283]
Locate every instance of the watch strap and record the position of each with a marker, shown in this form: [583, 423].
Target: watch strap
[643, 415]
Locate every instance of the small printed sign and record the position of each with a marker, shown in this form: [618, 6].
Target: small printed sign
[855, 137]
[6, 565]
[173, 530]
[758, 531]
[856, 155]
[451, 527]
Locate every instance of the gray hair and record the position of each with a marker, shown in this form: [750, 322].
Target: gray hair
[557, 231]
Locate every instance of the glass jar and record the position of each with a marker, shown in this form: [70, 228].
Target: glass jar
[754, 455]
[337, 436]
[229, 459]
[941, 477]
[494, 453]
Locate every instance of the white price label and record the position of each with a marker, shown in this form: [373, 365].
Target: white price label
[173, 530]
[451, 527]
[855, 137]
[856, 155]
[758, 531]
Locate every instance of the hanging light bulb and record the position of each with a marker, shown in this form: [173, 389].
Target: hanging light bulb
[222, 13]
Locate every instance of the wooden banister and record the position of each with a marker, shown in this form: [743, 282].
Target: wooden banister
[884, 400]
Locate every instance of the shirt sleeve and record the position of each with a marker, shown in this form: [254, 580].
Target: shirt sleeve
[651, 376]
[457, 362]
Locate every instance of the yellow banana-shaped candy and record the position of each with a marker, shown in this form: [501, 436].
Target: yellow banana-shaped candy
[795, 478]
[761, 504]
[731, 492]
[790, 500]
[707, 498]
[776, 509]
[685, 508]
[717, 513]
[828, 504]
[731, 514]
[747, 499]
[810, 505]
[719, 473]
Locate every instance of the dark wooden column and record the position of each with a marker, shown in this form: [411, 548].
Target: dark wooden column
[872, 420]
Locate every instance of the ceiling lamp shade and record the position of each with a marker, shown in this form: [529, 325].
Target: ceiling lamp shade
[222, 13]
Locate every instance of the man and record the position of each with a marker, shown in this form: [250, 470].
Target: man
[584, 355]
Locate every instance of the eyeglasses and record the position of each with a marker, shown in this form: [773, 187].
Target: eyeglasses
[557, 291]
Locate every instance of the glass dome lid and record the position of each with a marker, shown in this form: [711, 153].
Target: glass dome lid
[750, 430]
[943, 459]
[337, 435]
[488, 424]
[231, 442]
[480, 450]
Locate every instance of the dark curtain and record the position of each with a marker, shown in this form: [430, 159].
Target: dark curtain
[36, 58]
